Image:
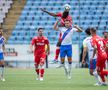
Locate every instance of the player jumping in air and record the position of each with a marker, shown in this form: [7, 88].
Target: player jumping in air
[2, 48]
[63, 15]
[66, 44]
[40, 53]
[99, 48]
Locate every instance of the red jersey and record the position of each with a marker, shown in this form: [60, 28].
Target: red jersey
[39, 43]
[100, 44]
[59, 14]
[106, 43]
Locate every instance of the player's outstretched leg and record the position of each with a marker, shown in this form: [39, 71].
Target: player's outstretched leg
[98, 79]
[41, 72]
[103, 75]
[37, 72]
[69, 69]
[56, 56]
[66, 69]
[2, 72]
[60, 65]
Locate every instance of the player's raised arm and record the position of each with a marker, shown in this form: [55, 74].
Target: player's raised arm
[79, 29]
[52, 14]
[55, 27]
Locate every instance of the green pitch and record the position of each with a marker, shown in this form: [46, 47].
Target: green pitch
[54, 79]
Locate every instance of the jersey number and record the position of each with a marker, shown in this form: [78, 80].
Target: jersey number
[101, 45]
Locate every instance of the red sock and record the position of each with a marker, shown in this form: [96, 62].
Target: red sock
[102, 74]
[105, 72]
[102, 77]
[57, 53]
[37, 71]
[41, 72]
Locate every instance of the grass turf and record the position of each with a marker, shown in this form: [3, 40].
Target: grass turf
[54, 79]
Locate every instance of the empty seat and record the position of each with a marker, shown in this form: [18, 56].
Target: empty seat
[85, 14]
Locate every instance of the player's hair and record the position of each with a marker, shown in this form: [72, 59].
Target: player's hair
[105, 32]
[87, 31]
[40, 29]
[65, 14]
[93, 29]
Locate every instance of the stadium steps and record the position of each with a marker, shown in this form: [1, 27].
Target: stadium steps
[13, 16]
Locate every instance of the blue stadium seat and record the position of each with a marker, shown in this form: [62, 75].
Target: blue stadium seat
[85, 14]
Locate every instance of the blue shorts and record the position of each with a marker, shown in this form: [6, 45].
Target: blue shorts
[65, 50]
[92, 64]
[1, 56]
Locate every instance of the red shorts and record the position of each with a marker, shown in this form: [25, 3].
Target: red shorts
[40, 59]
[101, 62]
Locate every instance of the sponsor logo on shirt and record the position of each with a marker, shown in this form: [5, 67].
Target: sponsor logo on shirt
[40, 43]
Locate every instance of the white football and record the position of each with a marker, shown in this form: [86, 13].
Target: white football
[67, 7]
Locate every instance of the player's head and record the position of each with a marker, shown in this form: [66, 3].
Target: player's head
[1, 31]
[66, 10]
[87, 31]
[65, 14]
[67, 23]
[92, 31]
[105, 33]
[40, 31]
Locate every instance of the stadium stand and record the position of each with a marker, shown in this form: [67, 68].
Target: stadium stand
[12, 17]
[5, 5]
[85, 13]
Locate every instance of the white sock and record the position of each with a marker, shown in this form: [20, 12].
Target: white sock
[2, 72]
[64, 68]
[97, 77]
[69, 68]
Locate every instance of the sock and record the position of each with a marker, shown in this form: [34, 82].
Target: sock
[57, 54]
[105, 72]
[2, 71]
[64, 68]
[69, 67]
[102, 77]
[37, 71]
[97, 77]
[41, 72]
[102, 74]
[62, 63]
